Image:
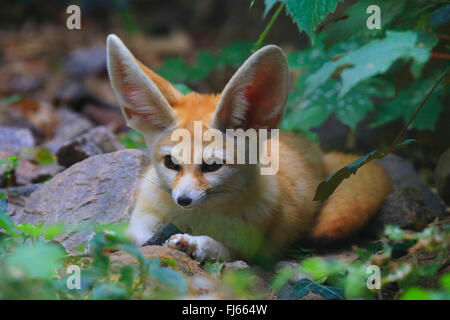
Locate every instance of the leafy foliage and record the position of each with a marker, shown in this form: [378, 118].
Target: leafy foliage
[349, 65]
[370, 60]
[32, 266]
[398, 256]
[404, 105]
[177, 70]
[132, 140]
[344, 28]
[307, 14]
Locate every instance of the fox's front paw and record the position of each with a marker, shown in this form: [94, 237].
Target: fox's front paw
[187, 243]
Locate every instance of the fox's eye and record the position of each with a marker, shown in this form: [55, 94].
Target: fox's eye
[170, 164]
[210, 167]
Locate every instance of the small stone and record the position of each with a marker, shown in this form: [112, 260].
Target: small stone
[235, 265]
[12, 140]
[70, 126]
[73, 94]
[23, 172]
[84, 62]
[411, 204]
[44, 172]
[442, 176]
[96, 141]
[25, 83]
[111, 118]
[19, 195]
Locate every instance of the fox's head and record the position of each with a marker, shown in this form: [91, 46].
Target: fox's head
[254, 98]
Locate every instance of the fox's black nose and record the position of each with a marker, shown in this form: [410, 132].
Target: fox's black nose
[184, 201]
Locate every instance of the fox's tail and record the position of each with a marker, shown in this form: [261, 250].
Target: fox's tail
[352, 204]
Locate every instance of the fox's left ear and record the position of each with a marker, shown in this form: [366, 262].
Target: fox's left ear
[256, 95]
[145, 98]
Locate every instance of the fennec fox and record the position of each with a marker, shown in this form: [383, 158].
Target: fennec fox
[232, 210]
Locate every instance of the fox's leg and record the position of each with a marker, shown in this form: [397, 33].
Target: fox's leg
[198, 247]
[142, 226]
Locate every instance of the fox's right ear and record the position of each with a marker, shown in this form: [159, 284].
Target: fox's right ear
[144, 97]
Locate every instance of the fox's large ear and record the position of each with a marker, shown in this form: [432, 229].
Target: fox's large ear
[256, 95]
[144, 97]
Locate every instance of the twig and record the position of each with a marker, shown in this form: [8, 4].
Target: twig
[406, 126]
[439, 222]
[263, 35]
[443, 36]
[440, 55]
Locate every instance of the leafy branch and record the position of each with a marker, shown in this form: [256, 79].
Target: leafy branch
[329, 185]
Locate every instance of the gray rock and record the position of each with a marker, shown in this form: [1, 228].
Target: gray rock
[332, 134]
[442, 176]
[45, 171]
[411, 204]
[25, 83]
[99, 189]
[12, 140]
[70, 126]
[235, 265]
[86, 61]
[96, 141]
[19, 195]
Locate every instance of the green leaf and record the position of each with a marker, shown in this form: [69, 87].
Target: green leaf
[5, 221]
[405, 104]
[109, 291]
[168, 277]
[213, 266]
[440, 16]
[10, 100]
[184, 89]
[177, 70]
[269, 5]
[30, 229]
[51, 231]
[309, 14]
[352, 23]
[311, 111]
[128, 274]
[370, 60]
[303, 287]
[36, 260]
[281, 278]
[327, 187]
[416, 293]
[394, 233]
[320, 268]
[44, 156]
[445, 282]
[132, 139]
